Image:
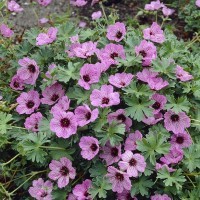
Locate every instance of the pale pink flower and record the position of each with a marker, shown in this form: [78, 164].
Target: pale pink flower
[74, 39]
[154, 119]
[160, 197]
[44, 2]
[157, 83]
[154, 5]
[125, 195]
[161, 166]
[14, 7]
[146, 75]
[6, 31]
[43, 20]
[167, 11]
[82, 24]
[78, 3]
[197, 3]
[96, 15]
[182, 74]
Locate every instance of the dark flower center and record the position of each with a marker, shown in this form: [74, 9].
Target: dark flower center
[93, 147]
[65, 122]
[122, 84]
[86, 78]
[105, 100]
[180, 140]
[114, 55]
[174, 118]
[31, 68]
[143, 53]
[114, 152]
[54, 97]
[16, 84]
[88, 115]
[30, 104]
[121, 117]
[86, 194]
[44, 194]
[132, 162]
[119, 35]
[119, 176]
[36, 126]
[156, 105]
[64, 171]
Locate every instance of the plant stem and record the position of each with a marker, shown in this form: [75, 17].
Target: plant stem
[55, 148]
[10, 160]
[103, 10]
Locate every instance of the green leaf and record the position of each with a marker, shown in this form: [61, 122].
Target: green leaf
[4, 120]
[98, 170]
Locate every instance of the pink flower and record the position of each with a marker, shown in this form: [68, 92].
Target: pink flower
[130, 143]
[104, 97]
[182, 74]
[52, 94]
[125, 195]
[49, 73]
[81, 190]
[161, 166]
[103, 66]
[71, 49]
[44, 2]
[160, 197]
[78, 3]
[89, 147]
[43, 20]
[167, 11]
[47, 38]
[96, 15]
[120, 180]
[120, 117]
[111, 154]
[154, 33]
[160, 101]
[132, 163]
[33, 121]
[29, 71]
[148, 52]
[89, 74]
[41, 190]
[157, 83]
[120, 80]
[82, 24]
[6, 31]
[14, 7]
[71, 197]
[84, 115]
[146, 75]
[197, 3]
[182, 140]
[17, 83]
[28, 102]
[154, 119]
[116, 32]
[176, 122]
[74, 39]
[63, 124]
[62, 171]
[154, 5]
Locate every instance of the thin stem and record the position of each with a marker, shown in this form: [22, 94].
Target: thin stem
[18, 127]
[10, 160]
[55, 148]
[191, 181]
[103, 10]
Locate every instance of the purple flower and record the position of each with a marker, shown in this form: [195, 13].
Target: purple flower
[146, 75]
[41, 190]
[74, 39]
[154, 119]
[29, 71]
[96, 15]
[132, 163]
[182, 74]
[120, 180]
[116, 32]
[43, 20]
[82, 24]
[111, 154]
[167, 11]
[120, 117]
[154, 5]
[49, 73]
[44, 2]
[33, 121]
[63, 124]
[125, 195]
[52, 94]
[78, 3]
[47, 38]
[197, 3]
[160, 101]
[71, 197]
[17, 83]
[176, 122]
[6, 31]
[104, 97]
[28, 102]
[61, 171]
[157, 83]
[161, 166]
[120, 80]
[89, 147]
[182, 140]
[81, 190]
[154, 33]
[130, 143]
[89, 74]
[148, 52]
[160, 197]
[14, 7]
[84, 115]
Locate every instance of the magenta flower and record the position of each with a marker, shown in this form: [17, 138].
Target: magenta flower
[17, 83]
[89, 74]
[104, 97]
[167, 11]
[130, 143]
[28, 102]
[111, 154]
[160, 101]
[132, 163]
[63, 124]
[84, 115]
[43, 20]
[33, 121]
[44, 2]
[71, 197]
[81, 190]
[146, 75]
[120, 117]
[154, 5]
[78, 3]
[154, 33]
[120, 180]
[96, 15]
[71, 49]
[47, 38]
[148, 52]
[182, 140]
[52, 94]
[125, 195]
[29, 71]
[120, 80]
[102, 66]
[41, 190]
[157, 83]
[89, 147]
[116, 32]
[14, 7]
[197, 3]
[182, 74]
[6, 31]
[161, 166]
[154, 119]
[160, 197]
[176, 122]
[61, 171]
